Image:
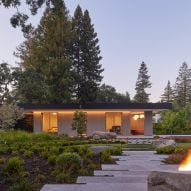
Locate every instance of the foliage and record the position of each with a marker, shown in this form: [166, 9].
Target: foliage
[176, 122]
[168, 94]
[10, 114]
[183, 85]
[69, 162]
[5, 81]
[107, 93]
[45, 56]
[142, 83]
[85, 58]
[14, 166]
[106, 157]
[27, 80]
[22, 185]
[79, 122]
[175, 158]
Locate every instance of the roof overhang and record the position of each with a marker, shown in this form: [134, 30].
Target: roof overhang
[97, 107]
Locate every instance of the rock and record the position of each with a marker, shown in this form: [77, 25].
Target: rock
[103, 135]
[158, 143]
[168, 181]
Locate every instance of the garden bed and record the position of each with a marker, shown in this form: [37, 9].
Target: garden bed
[28, 161]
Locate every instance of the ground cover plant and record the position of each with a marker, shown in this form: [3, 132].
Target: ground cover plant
[28, 161]
[176, 154]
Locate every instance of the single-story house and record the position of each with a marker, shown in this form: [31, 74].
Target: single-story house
[123, 118]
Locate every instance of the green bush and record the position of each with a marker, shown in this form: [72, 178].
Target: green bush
[116, 151]
[14, 166]
[22, 185]
[106, 157]
[69, 162]
[28, 154]
[63, 178]
[165, 150]
[52, 160]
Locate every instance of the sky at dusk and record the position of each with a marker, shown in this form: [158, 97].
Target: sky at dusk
[129, 31]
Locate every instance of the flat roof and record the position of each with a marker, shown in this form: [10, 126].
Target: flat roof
[98, 106]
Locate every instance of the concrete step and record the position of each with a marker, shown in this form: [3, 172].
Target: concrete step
[120, 173]
[96, 187]
[112, 179]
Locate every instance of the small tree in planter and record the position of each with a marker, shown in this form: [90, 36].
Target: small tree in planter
[79, 122]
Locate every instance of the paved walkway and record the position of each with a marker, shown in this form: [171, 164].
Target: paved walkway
[130, 174]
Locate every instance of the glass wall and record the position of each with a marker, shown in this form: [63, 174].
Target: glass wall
[114, 122]
[50, 122]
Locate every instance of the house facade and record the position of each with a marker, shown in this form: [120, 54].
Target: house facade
[124, 119]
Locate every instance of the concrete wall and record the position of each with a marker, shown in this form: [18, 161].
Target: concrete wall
[126, 129]
[148, 126]
[37, 117]
[65, 124]
[95, 122]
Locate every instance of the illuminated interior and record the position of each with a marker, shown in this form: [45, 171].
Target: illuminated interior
[114, 122]
[137, 124]
[50, 122]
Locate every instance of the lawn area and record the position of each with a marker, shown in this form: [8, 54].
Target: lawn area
[28, 161]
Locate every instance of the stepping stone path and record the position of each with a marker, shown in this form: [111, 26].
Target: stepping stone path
[129, 174]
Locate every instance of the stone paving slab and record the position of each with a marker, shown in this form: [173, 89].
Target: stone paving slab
[96, 187]
[117, 179]
[120, 173]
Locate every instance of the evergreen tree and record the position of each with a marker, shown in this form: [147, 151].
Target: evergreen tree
[183, 85]
[108, 94]
[86, 57]
[47, 52]
[167, 96]
[142, 83]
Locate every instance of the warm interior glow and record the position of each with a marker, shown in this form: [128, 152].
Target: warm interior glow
[142, 116]
[135, 117]
[186, 163]
[54, 113]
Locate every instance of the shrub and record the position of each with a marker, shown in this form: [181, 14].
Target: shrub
[52, 160]
[14, 166]
[106, 157]
[22, 185]
[27, 154]
[116, 151]
[69, 162]
[63, 178]
[165, 150]
[175, 158]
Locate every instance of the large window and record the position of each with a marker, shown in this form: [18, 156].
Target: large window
[114, 122]
[50, 122]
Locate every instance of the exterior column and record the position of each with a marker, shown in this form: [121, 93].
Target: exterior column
[126, 129]
[37, 121]
[148, 126]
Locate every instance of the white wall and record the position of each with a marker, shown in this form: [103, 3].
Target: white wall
[95, 122]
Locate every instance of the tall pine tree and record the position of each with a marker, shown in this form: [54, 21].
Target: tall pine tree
[86, 58]
[167, 96]
[47, 51]
[183, 85]
[142, 83]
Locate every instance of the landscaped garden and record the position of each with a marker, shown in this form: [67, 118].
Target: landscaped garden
[176, 154]
[28, 161]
